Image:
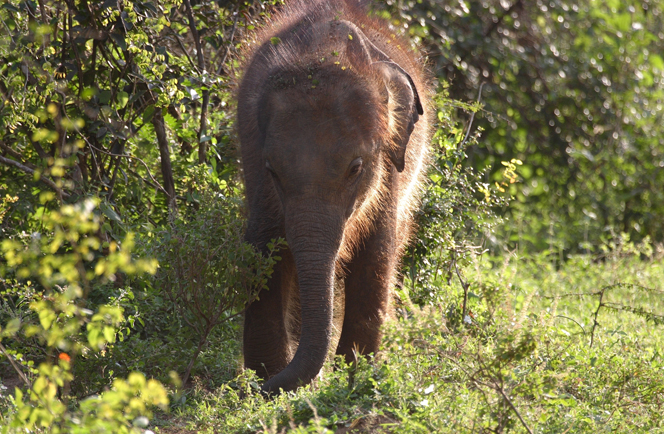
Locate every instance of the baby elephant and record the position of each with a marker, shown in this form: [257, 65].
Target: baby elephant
[334, 122]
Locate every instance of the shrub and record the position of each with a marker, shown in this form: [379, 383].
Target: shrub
[48, 276]
[207, 271]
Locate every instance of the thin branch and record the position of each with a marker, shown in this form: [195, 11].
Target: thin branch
[147, 169]
[202, 146]
[576, 294]
[648, 316]
[40, 151]
[42, 9]
[573, 320]
[464, 285]
[523, 422]
[15, 154]
[146, 180]
[230, 43]
[195, 34]
[16, 367]
[201, 342]
[595, 323]
[472, 117]
[182, 47]
[30, 171]
[9, 32]
[165, 157]
[6, 95]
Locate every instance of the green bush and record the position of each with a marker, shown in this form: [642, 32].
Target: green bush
[115, 119]
[459, 209]
[207, 271]
[572, 89]
[523, 362]
[47, 277]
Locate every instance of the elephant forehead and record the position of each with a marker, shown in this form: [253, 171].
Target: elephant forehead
[325, 123]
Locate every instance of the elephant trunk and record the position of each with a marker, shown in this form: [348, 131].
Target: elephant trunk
[314, 239]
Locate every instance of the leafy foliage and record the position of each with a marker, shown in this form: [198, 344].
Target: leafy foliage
[206, 269]
[524, 362]
[115, 120]
[572, 89]
[458, 209]
[89, 89]
[65, 260]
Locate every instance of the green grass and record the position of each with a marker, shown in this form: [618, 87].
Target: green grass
[531, 359]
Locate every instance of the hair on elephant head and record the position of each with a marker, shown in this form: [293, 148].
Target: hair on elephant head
[334, 125]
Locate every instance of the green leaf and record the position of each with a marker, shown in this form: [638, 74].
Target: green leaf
[148, 113]
[109, 212]
[46, 316]
[656, 61]
[11, 328]
[120, 40]
[10, 7]
[123, 98]
[109, 334]
[104, 96]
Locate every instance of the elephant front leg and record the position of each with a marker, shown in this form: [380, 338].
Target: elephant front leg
[367, 292]
[267, 333]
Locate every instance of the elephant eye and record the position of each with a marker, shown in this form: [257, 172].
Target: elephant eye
[269, 168]
[355, 167]
[273, 174]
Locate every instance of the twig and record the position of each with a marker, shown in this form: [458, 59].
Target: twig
[16, 367]
[201, 342]
[202, 146]
[42, 9]
[648, 316]
[9, 32]
[472, 117]
[595, 323]
[573, 320]
[230, 43]
[464, 285]
[523, 422]
[182, 47]
[147, 169]
[576, 294]
[164, 153]
[606, 288]
[40, 151]
[195, 34]
[15, 154]
[42, 178]
[633, 285]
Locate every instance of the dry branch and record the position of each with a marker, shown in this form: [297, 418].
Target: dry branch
[42, 178]
[165, 154]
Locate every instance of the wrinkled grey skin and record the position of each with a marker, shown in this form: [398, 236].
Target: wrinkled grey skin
[322, 172]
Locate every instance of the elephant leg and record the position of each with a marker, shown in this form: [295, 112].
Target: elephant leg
[367, 290]
[267, 324]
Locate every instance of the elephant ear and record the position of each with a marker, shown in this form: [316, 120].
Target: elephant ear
[402, 98]
[401, 95]
[404, 108]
